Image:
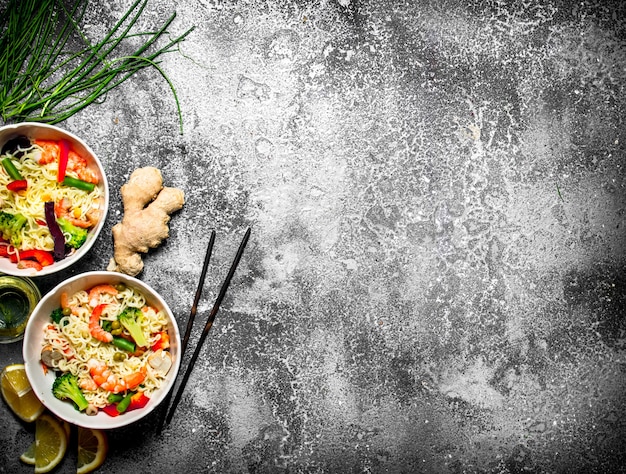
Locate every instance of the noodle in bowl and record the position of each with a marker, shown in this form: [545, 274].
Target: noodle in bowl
[42, 187]
[83, 347]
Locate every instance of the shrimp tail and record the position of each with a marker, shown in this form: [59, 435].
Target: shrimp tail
[98, 290]
[95, 329]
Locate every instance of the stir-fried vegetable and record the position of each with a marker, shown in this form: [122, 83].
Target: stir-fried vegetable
[42, 257]
[124, 344]
[15, 146]
[76, 236]
[55, 231]
[11, 169]
[78, 183]
[17, 185]
[119, 403]
[64, 150]
[49, 69]
[10, 227]
[130, 318]
[65, 387]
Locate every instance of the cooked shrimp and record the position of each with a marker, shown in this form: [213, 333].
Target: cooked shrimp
[78, 165]
[23, 264]
[63, 208]
[65, 300]
[104, 377]
[96, 291]
[82, 171]
[95, 329]
[93, 215]
[65, 303]
[88, 384]
[50, 153]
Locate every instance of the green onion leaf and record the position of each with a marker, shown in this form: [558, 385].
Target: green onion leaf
[50, 70]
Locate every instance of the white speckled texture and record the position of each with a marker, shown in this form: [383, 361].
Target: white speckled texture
[435, 278]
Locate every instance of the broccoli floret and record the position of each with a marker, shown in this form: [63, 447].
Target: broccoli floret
[77, 235]
[66, 387]
[59, 313]
[106, 325]
[56, 315]
[10, 226]
[130, 318]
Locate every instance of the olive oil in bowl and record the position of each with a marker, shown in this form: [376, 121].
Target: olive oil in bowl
[18, 298]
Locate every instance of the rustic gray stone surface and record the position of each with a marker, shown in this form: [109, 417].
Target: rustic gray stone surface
[435, 278]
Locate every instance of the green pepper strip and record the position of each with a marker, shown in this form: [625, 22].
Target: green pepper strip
[123, 344]
[124, 404]
[79, 184]
[115, 398]
[10, 168]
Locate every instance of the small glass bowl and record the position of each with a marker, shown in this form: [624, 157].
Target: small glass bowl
[18, 298]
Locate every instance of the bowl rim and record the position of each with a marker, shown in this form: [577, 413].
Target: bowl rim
[94, 233]
[42, 385]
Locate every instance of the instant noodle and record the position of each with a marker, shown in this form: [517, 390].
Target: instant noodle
[109, 349]
[49, 201]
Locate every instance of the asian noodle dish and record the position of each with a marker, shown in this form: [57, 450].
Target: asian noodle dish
[108, 347]
[49, 201]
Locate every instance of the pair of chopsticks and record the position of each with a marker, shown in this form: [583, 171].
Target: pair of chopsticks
[166, 415]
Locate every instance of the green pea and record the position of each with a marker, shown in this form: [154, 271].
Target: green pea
[119, 357]
[115, 324]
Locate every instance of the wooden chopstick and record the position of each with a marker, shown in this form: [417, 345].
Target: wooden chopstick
[194, 306]
[207, 327]
[192, 317]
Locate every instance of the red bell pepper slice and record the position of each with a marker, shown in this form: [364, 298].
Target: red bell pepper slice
[17, 185]
[64, 150]
[43, 257]
[163, 342]
[111, 410]
[138, 400]
[6, 250]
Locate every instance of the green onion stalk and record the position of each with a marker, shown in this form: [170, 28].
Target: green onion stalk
[50, 70]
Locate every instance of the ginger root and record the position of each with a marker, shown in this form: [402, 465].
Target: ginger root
[147, 209]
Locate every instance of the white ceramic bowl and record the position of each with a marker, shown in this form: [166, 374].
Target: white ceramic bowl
[44, 131]
[42, 383]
